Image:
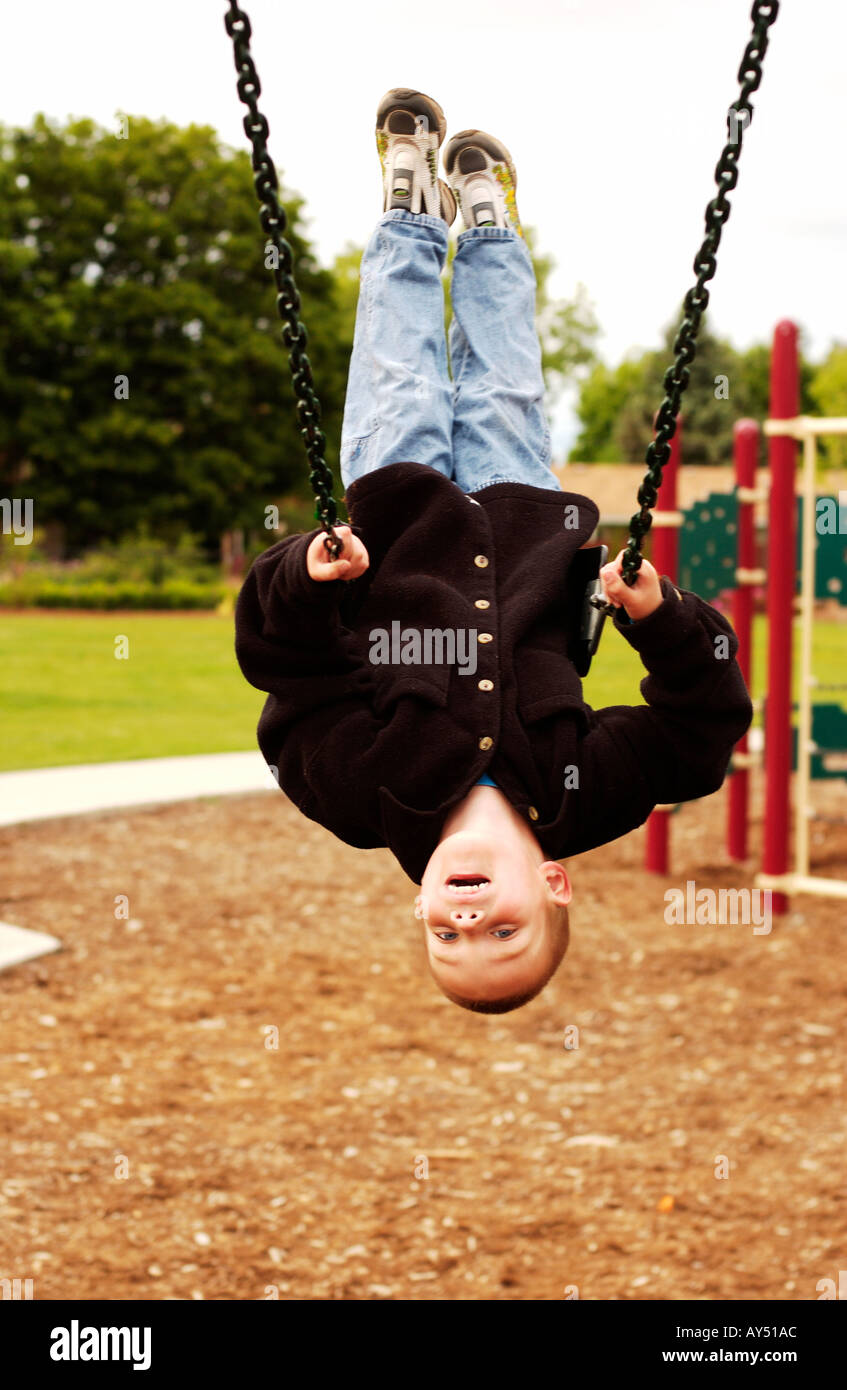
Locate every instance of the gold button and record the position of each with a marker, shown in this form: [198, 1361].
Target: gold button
[480, 561]
[481, 603]
[486, 685]
[532, 813]
[486, 743]
[484, 637]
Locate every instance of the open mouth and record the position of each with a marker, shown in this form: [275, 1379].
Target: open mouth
[467, 884]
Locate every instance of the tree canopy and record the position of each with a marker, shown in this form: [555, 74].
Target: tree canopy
[617, 405]
[143, 376]
[829, 397]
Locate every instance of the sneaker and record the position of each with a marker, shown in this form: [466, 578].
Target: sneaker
[409, 130]
[483, 177]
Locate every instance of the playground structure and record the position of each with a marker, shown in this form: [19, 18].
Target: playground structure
[712, 549]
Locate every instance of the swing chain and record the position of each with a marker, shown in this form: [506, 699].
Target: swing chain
[676, 378]
[273, 220]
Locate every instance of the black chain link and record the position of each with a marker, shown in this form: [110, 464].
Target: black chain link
[273, 220]
[675, 380]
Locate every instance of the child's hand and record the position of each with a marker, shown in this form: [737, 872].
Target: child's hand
[644, 596]
[352, 559]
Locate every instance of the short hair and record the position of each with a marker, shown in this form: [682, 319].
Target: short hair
[558, 924]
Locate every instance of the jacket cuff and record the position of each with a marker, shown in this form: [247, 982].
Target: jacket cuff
[665, 627]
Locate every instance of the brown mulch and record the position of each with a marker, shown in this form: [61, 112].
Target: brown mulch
[251, 1088]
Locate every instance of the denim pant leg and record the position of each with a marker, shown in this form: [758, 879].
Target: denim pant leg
[399, 403]
[500, 430]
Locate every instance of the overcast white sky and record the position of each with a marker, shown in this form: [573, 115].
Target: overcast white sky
[614, 111]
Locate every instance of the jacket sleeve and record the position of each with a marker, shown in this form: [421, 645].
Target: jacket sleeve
[676, 747]
[290, 642]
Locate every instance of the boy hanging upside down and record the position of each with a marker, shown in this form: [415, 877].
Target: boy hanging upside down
[478, 775]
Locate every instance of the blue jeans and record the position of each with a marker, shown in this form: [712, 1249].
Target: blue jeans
[488, 424]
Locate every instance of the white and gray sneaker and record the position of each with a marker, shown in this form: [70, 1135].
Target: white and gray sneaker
[409, 130]
[482, 174]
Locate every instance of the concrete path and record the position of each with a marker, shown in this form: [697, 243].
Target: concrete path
[18, 944]
[70, 791]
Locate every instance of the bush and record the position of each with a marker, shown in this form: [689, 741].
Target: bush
[136, 572]
[36, 591]
[145, 558]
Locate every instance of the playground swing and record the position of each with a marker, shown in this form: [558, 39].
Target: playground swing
[273, 221]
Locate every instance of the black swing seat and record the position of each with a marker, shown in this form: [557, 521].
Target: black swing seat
[585, 619]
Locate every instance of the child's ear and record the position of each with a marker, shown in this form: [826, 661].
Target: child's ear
[419, 907]
[558, 882]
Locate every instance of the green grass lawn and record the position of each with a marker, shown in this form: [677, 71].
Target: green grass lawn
[65, 698]
[616, 671]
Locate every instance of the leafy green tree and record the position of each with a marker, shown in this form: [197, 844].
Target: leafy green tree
[617, 405]
[717, 395]
[143, 379]
[828, 393]
[602, 400]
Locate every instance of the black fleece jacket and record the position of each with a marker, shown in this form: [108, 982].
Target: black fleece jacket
[380, 753]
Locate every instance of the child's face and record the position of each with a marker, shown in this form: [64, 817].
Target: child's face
[486, 913]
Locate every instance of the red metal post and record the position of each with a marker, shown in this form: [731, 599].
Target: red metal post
[665, 558]
[656, 855]
[782, 573]
[745, 451]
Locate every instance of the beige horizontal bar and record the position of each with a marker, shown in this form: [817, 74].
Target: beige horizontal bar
[753, 494]
[749, 577]
[741, 760]
[800, 883]
[668, 518]
[803, 425]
